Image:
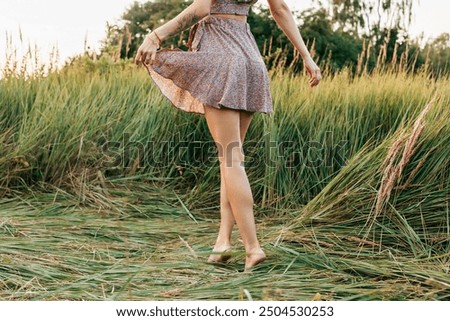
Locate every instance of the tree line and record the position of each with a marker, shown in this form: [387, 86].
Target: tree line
[361, 35]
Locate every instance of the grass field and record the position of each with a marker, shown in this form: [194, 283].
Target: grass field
[109, 193]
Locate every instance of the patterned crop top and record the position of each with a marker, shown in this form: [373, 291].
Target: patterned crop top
[237, 7]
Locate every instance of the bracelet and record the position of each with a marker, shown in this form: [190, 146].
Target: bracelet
[157, 37]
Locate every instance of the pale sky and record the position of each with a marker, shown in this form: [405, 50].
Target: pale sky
[66, 24]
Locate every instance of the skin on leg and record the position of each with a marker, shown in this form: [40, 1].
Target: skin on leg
[223, 242]
[224, 125]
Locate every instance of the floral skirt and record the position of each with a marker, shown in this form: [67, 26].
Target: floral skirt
[223, 69]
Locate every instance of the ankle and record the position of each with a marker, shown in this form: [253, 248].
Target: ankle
[222, 245]
[255, 250]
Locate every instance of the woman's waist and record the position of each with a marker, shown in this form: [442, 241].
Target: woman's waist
[236, 17]
[226, 21]
[232, 26]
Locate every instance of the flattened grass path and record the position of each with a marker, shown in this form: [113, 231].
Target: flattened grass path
[146, 247]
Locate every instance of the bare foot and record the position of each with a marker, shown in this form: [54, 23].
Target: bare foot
[221, 254]
[253, 259]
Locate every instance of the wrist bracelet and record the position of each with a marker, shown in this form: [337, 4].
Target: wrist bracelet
[159, 39]
[153, 40]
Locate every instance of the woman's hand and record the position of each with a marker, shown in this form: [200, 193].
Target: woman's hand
[146, 53]
[313, 71]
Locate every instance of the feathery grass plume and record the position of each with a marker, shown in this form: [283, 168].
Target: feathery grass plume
[393, 172]
[411, 216]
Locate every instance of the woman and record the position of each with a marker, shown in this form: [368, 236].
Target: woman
[223, 77]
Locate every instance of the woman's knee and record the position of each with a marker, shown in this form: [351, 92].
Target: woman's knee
[231, 155]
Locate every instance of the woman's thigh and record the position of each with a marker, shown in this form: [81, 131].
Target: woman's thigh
[226, 127]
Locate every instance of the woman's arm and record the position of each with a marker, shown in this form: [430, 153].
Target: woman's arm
[194, 12]
[197, 10]
[285, 20]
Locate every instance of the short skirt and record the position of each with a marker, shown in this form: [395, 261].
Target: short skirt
[223, 69]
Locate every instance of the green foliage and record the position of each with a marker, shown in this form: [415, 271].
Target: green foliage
[140, 19]
[369, 17]
[337, 47]
[437, 55]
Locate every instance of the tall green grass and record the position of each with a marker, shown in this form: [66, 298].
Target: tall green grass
[351, 185]
[55, 126]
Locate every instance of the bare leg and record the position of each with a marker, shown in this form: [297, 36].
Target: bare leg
[223, 242]
[224, 125]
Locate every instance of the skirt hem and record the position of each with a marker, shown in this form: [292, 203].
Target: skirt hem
[153, 74]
